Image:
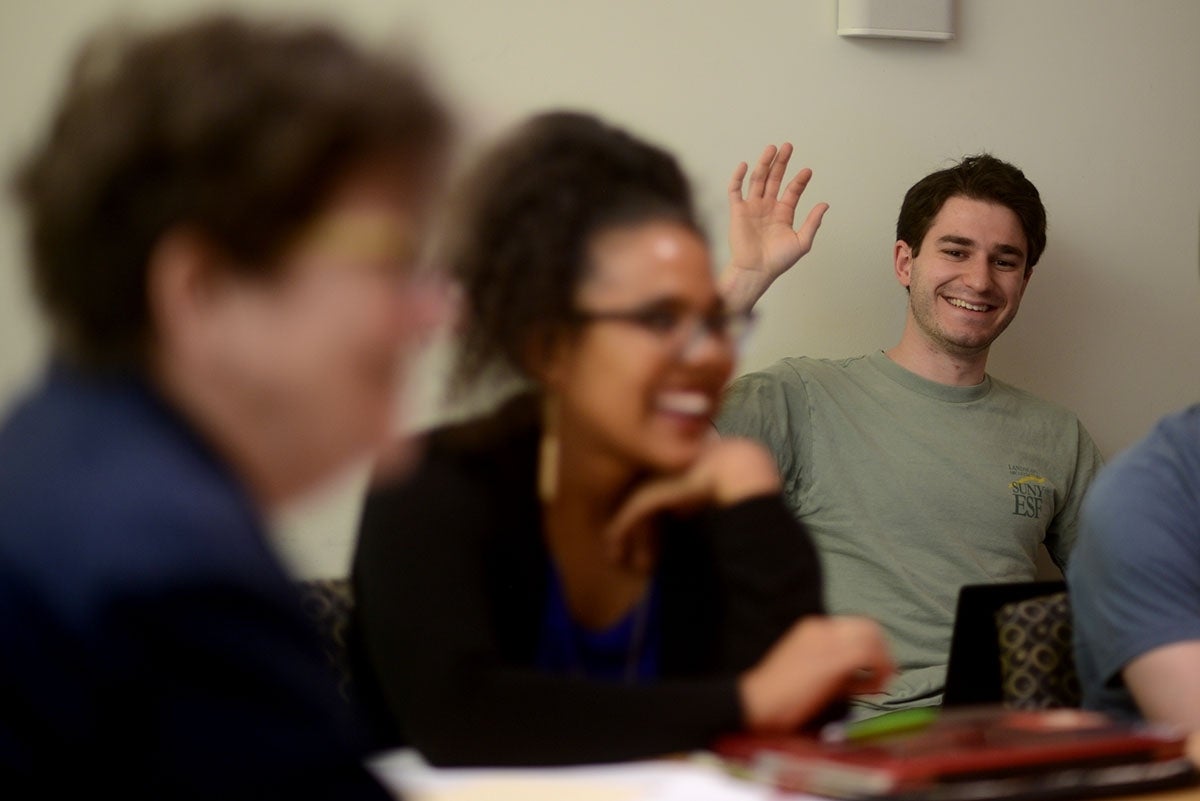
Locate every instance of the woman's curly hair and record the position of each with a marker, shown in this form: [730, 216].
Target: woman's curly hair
[528, 214]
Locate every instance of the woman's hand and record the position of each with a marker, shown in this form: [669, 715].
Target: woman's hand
[819, 660]
[762, 239]
[731, 469]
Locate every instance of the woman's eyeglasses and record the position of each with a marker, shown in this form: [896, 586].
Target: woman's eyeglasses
[678, 328]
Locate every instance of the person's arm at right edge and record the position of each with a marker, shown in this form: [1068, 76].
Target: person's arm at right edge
[1164, 546]
[1165, 682]
[1134, 575]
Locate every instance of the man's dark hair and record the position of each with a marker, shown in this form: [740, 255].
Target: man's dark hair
[982, 177]
[528, 216]
[235, 128]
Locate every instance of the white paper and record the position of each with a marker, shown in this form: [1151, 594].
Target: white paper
[659, 780]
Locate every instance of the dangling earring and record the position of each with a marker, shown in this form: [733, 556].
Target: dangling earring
[548, 450]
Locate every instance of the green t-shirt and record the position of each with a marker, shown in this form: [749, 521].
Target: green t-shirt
[911, 489]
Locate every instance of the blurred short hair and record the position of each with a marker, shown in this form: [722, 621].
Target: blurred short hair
[234, 127]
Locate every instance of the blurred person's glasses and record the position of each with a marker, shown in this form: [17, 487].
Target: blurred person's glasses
[384, 245]
[379, 241]
[678, 329]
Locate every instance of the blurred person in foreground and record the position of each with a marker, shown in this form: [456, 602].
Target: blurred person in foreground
[588, 573]
[222, 219]
[1135, 579]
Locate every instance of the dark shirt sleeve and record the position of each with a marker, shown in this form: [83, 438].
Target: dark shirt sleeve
[1135, 575]
[457, 671]
[198, 690]
[248, 695]
[151, 645]
[768, 574]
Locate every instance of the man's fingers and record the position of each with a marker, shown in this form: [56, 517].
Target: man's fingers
[758, 178]
[796, 187]
[778, 170]
[808, 231]
[735, 183]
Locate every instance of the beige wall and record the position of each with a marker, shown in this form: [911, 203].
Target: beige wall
[1098, 100]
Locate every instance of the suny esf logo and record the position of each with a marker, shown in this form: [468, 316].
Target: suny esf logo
[1029, 492]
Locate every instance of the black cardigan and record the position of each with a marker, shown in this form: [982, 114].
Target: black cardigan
[450, 579]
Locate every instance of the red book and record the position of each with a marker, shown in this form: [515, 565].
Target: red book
[973, 753]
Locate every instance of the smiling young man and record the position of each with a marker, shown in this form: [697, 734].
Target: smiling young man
[916, 471]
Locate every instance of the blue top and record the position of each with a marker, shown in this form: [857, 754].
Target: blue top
[1134, 576]
[626, 651]
[150, 643]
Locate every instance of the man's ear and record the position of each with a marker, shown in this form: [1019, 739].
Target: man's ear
[902, 258]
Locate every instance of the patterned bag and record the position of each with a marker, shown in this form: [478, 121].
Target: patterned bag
[1037, 666]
